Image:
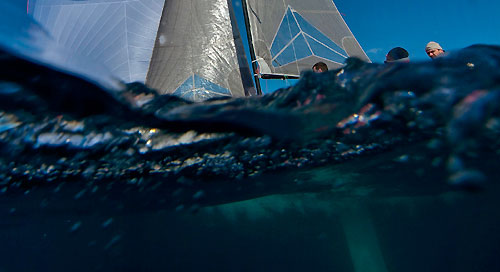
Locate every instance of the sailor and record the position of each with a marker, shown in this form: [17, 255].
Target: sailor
[434, 50]
[320, 67]
[397, 54]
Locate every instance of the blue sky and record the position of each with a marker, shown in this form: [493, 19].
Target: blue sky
[380, 25]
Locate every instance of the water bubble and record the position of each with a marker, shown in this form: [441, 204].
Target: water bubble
[75, 226]
[455, 164]
[434, 144]
[195, 208]
[9, 88]
[177, 192]
[436, 162]
[108, 222]
[198, 194]
[58, 188]
[80, 194]
[44, 203]
[179, 208]
[113, 241]
[470, 180]
[403, 158]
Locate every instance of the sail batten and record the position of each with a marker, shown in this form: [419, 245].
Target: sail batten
[289, 36]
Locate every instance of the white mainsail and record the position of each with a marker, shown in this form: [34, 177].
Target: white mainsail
[199, 53]
[118, 33]
[290, 36]
[193, 50]
[23, 38]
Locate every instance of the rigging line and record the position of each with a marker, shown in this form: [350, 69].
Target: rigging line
[285, 47]
[279, 26]
[325, 45]
[301, 31]
[250, 46]
[290, 29]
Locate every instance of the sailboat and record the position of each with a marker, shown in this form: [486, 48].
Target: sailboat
[193, 48]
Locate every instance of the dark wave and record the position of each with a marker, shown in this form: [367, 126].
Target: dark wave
[419, 128]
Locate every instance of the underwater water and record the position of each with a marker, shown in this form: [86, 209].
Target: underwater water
[367, 168]
[294, 232]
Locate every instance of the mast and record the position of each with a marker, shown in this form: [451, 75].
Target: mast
[250, 45]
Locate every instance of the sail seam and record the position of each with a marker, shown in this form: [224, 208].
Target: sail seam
[89, 29]
[117, 52]
[279, 25]
[301, 31]
[138, 11]
[92, 49]
[91, 3]
[82, 28]
[68, 35]
[286, 46]
[320, 57]
[318, 41]
[117, 67]
[321, 32]
[126, 41]
[194, 82]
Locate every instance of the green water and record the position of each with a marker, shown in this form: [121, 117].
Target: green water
[313, 232]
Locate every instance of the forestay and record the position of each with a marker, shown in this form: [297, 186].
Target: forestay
[290, 36]
[198, 53]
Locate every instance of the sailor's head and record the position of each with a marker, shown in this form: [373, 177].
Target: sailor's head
[397, 54]
[320, 67]
[434, 50]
